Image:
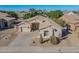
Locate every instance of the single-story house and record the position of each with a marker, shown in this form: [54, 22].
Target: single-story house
[72, 20]
[45, 26]
[5, 21]
[21, 14]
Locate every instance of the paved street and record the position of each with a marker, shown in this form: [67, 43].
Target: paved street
[39, 49]
[23, 39]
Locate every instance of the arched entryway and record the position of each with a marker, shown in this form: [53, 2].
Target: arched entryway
[34, 26]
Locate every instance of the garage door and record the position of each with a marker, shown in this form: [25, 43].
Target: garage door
[25, 29]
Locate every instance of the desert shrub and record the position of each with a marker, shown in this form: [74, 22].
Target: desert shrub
[54, 40]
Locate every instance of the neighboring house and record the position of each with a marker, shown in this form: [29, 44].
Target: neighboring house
[72, 20]
[44, 25]
[5, 21]
[21, 14]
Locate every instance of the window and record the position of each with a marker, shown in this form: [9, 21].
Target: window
[46, 33]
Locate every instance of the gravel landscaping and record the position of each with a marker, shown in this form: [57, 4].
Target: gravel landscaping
[7, 36]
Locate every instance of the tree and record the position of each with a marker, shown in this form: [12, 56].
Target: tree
[12, 14]
[77, 12]
[55, 14]
[33, 12]
[3, 11]
[26, 16]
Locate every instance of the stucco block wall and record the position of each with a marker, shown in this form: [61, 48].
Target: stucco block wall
[49, 32]
[58, 33]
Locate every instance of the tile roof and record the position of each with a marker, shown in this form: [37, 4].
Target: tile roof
[3, 16]
[71, 17]
[48, 22]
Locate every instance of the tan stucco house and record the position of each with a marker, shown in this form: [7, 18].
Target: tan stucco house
[72, 20]
[5, 21]
[44, 25]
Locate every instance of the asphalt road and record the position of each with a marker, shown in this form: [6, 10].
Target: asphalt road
[22, 40]
[39, 50]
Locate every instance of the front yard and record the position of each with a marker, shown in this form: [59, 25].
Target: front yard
[6, 36]
[71, 41]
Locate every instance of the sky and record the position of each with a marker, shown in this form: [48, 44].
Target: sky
[47, 7]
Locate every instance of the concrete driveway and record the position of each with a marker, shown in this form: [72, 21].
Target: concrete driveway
[23, 39]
